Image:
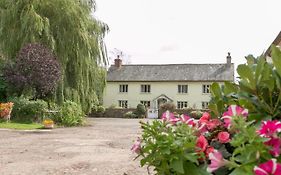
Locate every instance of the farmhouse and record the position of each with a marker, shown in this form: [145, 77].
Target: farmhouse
[185, 85]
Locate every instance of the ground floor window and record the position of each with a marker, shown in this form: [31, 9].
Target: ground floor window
[205, 105]
[182, 104]
[145, 103]
[123, 103]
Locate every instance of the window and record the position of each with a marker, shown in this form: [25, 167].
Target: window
[145, 103]
[206, 88]
[205, 105]
[123, 103]
[183, 89]
[123, 88]
[182, 104]
[145, 88]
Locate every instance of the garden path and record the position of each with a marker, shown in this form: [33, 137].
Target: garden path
[100, 149]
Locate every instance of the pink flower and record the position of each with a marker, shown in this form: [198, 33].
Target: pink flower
[202, 143]
[166, 116]
[136, 148]
[209, 150]
[169, 117]
[213, 123]
[275, 143]
[233, 110]
[205, 118]
[217, 161]
[188, 120]
[269, 128]
[223, 137]
[270, 167]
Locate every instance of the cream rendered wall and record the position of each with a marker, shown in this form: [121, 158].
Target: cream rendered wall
[195, 97]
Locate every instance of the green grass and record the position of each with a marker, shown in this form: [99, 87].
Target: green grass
[20, 126]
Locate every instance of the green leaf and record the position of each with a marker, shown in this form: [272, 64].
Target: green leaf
[229, 88]
[276, 58]
[177, 165]
[246, 75]
[216, 90]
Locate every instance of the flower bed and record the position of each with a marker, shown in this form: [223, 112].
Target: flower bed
[229, 144]
[5, 110]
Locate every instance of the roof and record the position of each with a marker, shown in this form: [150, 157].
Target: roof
[171, 72]
[276, 42]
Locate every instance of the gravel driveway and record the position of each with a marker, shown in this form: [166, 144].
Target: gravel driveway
[100, 149]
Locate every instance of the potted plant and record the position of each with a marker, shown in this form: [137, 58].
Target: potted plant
[48, 124]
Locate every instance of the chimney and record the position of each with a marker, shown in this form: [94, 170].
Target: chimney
[228, 59]
[118, 62]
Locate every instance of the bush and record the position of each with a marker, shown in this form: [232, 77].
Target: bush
[70, 114]
[28, 111]
[140, 111]
[36, 68]
[258, 88]
[130, 114]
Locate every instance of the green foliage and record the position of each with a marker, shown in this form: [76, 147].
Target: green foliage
[69, 29]
[140, 111]
[70, 114]
[130, 114]
[249, 148]
[258, 89]
[170, 150]
[28, 111]
[3, 84]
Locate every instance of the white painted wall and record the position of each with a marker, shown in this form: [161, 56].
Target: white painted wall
[170, 89]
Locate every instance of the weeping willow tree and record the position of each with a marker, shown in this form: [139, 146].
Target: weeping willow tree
[68, 28]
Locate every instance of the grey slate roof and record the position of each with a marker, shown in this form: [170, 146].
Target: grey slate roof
[171, 72]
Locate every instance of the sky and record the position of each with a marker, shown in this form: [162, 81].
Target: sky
[189, 31]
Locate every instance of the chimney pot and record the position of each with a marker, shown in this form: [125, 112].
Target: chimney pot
[118, 62]
[228, 59]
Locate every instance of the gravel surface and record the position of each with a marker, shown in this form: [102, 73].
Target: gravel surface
[100, 149]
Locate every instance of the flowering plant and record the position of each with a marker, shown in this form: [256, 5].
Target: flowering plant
[5, 109]
[229, 144]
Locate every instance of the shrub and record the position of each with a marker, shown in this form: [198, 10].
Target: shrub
[27, 111]
[100, 109]
[35, 68]
[229, 144]
[140, 111]
[130, 114]
[169, 106]
[258, 88]
[70, 114]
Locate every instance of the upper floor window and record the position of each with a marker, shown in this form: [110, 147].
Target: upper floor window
[123, 103]
[206, 88]
[145, 88]
[182, 104]
[183, 89]
[145, 103]
[205, 105]
[123, 88]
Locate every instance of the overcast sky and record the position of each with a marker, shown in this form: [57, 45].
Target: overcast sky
[189, 31]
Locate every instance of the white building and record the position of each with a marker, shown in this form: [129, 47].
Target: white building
[185, 85]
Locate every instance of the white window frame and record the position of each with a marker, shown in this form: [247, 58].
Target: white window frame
[123, 88]
[182, 88]
[205, 104]
[145, 88]
[123, 103]
[206, 88]
[182, 104]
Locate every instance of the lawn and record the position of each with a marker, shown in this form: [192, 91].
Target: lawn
[20, 126]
